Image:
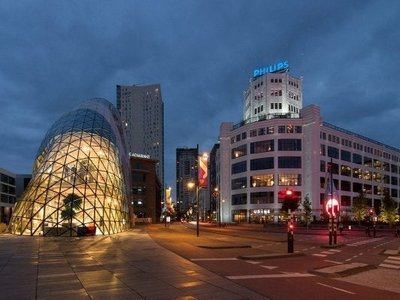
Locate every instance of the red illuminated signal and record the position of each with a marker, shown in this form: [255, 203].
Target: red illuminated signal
[289, 192]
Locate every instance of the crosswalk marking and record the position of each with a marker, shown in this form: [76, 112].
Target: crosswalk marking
[287, 275]
[270, 267]
[326, 253]
[391, 262]
[363, 242]
[223, 258]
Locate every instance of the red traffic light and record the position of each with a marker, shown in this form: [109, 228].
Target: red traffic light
[289, 192]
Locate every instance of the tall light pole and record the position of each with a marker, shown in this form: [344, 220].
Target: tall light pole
[332, 206]
[190, 186]
[215, 195]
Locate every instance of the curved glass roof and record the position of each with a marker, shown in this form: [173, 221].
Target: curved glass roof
[80, 177]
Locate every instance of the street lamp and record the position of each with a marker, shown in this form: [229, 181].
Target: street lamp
[332, 206]
[190, 186]
[215, 194]
[222, 211]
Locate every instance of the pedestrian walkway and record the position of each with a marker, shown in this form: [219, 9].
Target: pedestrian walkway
[129, 265]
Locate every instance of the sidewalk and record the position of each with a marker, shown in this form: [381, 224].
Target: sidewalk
[129, 265]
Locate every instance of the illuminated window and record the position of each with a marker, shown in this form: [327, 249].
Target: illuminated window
[289, 179]
[262, 180]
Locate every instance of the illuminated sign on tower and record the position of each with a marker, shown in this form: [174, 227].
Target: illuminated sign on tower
[280, 66]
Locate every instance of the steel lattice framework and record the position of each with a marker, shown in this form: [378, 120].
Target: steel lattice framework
[80, 177]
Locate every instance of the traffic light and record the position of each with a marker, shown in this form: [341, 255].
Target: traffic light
[290, 237]
[371, 211]
[289, 193]
[290, 224]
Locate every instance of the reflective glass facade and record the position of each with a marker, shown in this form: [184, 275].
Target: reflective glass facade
[80, 177]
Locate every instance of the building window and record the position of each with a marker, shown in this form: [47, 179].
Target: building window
[367, 175]
[289, 179]
[262, 198]
[357, 187]
[262, 163]
[357, 173]
[239, 183]
[345, 200]
[385, 166]
[253, 133]
[239, 151]
[270, 130]
[377, 190]
[345, 171]
[357, 159]
[345, 185]
[377, 164]
[239, 215]
[377, 176]
[262, 180]
[138, 177]
[333, 152]
[262, 146]
[281, 129]
[386, 179]
[345, 155]
[289, 162]
[322, 166]
[367, 161]
[138, 190]
[239, 199]
[289, 129]
[289, 144]
[239, 167]
[322, 150]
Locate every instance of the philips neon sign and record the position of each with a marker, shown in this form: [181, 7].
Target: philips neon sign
[271, 69]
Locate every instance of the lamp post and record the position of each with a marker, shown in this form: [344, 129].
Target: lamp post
[222, 211]
[332, 206]
[215, 194]
[190, 186]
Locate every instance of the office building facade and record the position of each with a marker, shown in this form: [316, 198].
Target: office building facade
[186, 172]
[280, 145]
[7, 194]
[146, 190]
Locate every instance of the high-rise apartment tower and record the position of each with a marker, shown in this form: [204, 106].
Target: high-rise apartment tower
[186, 171]
[142, 114]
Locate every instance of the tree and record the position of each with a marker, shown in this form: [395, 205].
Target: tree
[307, 209]
[389, 210]
[72, 203]
[360, 206]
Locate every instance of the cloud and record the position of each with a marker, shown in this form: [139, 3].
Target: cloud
[57, 54]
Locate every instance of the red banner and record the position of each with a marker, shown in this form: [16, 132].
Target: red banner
[203, 171]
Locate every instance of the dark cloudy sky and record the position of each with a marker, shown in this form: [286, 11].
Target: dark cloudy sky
[56, 54]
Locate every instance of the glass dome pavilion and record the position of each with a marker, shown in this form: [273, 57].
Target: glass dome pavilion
[80, 177]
